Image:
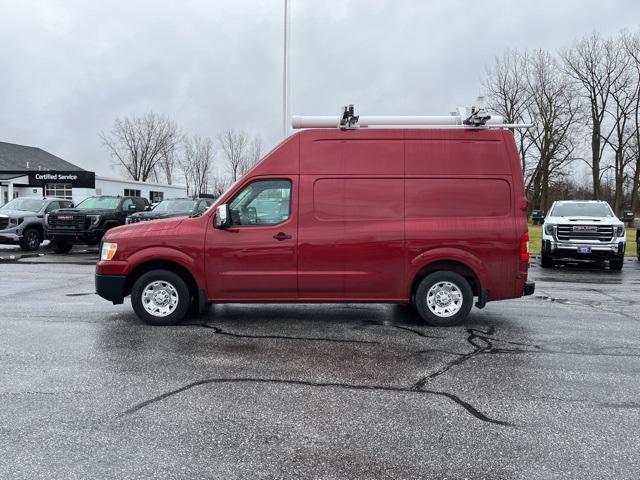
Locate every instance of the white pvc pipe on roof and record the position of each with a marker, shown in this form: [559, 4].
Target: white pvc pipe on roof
[333, 121]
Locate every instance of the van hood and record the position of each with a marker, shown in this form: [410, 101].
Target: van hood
[156, 215]
[143, 228]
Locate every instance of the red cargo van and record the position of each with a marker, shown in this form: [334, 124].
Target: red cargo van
[432, 217]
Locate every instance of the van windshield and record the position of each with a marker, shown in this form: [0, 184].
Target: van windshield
[108, 203]
[577, 209]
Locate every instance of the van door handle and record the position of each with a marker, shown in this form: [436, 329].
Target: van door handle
[282, 236]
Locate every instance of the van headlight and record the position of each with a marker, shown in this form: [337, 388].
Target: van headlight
[93, 219]
[108, 250]
[550, 229]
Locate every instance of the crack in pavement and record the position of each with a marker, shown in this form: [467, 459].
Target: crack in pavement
[486, 347]
[367, 323]
[417, 332]
[472, 338]
[596, 305]
[219, 331]
[467, 406]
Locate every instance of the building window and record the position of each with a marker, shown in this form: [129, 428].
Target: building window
[131, 192]
[58, 190]
[156, 197]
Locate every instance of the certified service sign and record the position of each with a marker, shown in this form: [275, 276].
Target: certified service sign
[80, 179]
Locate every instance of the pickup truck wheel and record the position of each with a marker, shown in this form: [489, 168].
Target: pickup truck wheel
[616, 263]
[160, 297]
[31, 240]
[60, 247]
[546, 261]
[443, 298]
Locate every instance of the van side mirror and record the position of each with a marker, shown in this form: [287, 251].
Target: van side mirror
[222, 219]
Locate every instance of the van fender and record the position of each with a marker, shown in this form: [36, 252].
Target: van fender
[450, 254]
[168, 254]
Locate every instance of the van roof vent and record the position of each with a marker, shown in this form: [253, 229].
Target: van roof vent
[476, 116]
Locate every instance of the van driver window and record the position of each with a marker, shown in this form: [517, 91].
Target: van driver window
[263, 202]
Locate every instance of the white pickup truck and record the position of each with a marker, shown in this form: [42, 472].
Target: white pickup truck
[586, 230]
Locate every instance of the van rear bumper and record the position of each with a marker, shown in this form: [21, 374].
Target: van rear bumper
[529, 287]
[111, 287]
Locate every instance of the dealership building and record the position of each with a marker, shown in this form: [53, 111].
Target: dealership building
[32, 172]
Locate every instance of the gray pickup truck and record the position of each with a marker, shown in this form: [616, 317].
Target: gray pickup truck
[22, 220]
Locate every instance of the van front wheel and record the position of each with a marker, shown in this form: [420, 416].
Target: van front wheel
[443, 298]
[160, 297]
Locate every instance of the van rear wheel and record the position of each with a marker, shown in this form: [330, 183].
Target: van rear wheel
[443, 298]
[160, 297]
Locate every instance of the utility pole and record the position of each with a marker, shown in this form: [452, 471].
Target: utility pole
[285, 73]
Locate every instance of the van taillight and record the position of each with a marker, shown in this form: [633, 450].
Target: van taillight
[524, 248]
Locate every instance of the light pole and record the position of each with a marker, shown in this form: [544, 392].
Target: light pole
[285, 72]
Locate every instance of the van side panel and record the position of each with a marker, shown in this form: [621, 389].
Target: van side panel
[344, 152]
[351, 231]
[455, 152]
[459, 200]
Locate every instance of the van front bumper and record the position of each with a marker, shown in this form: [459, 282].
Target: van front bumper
[111, 287]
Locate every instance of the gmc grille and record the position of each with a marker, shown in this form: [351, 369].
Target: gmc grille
[601, 233]
[72, 223]
[4, 223]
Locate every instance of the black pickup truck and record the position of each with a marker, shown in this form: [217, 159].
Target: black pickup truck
[175, 207]
[89, 220]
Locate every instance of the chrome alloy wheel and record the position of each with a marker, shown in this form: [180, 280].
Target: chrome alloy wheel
[444, 299]
[160, 298]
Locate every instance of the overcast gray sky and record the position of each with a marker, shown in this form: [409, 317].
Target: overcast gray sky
[69, 68]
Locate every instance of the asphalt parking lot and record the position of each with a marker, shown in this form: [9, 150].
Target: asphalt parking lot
[546, 386]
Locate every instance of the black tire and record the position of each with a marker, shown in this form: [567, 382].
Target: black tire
[31, 240]
[429, 315]
[167, 277]
[60, 247]
[616, 263]
[546, 261]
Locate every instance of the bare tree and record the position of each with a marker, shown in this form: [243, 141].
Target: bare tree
[593, 63]
[219, 185]
[506, 87]
[139, 144]
[197, 162]
[623, 101]
[168, 163]
[632, 49]
[555, 107]
[254, 152]
[234, 146]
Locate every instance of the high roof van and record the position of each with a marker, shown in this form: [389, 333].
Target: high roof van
[435, 218]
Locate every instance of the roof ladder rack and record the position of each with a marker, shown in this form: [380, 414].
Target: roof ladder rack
[472, 117]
